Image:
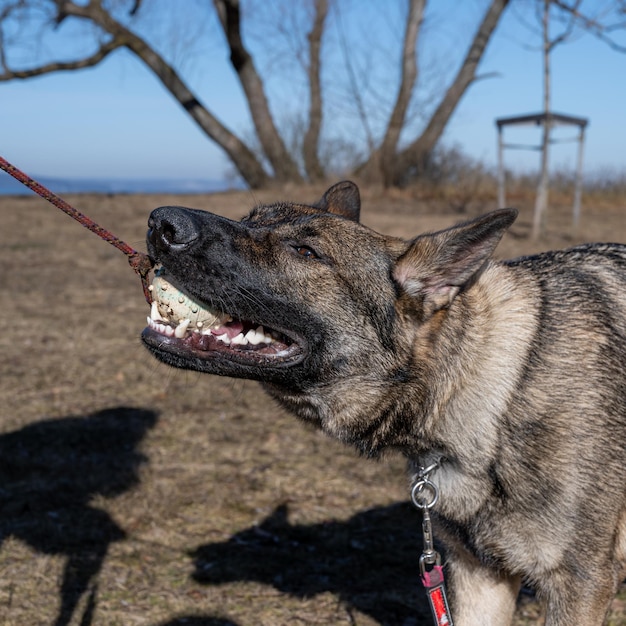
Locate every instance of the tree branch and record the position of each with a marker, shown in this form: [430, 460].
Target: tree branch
[407, 82]
[242, 157]
[48, 68]
[284, 166]
[567, 31]
[417, 151]
[312, 165]
[354, 89]
[136, 6]
[597, 29]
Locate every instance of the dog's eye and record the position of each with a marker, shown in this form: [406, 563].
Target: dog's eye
[306, 252]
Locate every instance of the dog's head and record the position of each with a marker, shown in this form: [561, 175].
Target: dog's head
[304, 298]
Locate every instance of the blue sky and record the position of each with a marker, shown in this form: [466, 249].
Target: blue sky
[116, 120]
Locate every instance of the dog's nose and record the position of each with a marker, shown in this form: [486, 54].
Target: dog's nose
[172, 228]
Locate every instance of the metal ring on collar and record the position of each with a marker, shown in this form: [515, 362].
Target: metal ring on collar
[420, 490]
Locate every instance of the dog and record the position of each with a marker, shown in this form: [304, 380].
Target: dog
[508, 376]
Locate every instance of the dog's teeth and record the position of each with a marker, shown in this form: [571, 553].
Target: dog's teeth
[265, 338]
[224, 338]
[157, 314]
[160, 323]
[154, 312]
[239, 340]
[163, 329]
[254, 337]
[168, 331]
[181, 329]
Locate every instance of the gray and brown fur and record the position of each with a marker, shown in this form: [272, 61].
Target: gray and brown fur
[511, 374]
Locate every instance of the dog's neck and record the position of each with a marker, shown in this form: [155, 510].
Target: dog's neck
[446, 405]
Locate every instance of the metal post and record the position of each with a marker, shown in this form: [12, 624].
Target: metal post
[579, 181]
[501, 196]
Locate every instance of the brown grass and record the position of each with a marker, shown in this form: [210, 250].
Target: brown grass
[134, 494]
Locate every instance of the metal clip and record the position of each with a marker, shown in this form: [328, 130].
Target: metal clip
[424, 495]
[429, 556]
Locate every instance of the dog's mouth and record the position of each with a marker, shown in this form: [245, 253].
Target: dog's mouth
[180, 324]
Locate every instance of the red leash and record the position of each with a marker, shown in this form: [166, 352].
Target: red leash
[424, 494]
[139, 261]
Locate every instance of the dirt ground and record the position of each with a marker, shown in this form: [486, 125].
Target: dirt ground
[131, 493]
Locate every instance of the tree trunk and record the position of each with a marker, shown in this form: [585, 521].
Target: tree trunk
[415, 154]
[541, 201]
[284, 166]
[242, 157]
[385, 162]
[310, 147]
[407, 82]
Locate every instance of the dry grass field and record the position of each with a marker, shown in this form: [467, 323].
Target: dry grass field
[133, 494]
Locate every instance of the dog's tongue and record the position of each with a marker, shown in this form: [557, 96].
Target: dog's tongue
[232, 329]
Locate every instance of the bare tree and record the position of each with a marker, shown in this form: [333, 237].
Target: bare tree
[310, 146]
[119, 36]
[541, 200]
[382, 162]
[269, 157]
[607, 20]
[417, 151]
[604, 23]
[284, 166]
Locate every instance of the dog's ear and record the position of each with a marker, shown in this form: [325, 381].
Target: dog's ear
[342, 199]
[438, 265]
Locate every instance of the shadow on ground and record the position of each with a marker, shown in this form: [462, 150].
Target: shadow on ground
[370, 562]
[49, 472]
[194, 620]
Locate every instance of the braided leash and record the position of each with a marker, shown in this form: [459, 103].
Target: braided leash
[139, 261]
